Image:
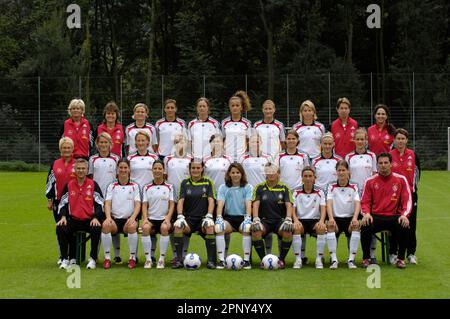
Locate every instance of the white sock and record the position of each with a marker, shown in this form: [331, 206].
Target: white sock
[321, 240]
[116, 243]
[354, 243]
[132, 245]
[268, 243]
[186, 241]
[220, 244]
[303, 246]
[331, 241]
[247, 246]
[154, 240]
[373, 247]
[106, 241]
[297, 246]
[227, 243]
[172, 245]
[163, 244]
[147, 243]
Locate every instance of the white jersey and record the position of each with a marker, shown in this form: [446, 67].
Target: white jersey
[123, 198]
[291, 166]
[254, 168]
[309, 136]
[272, 134]
[167, 130]
[158, 197]
[307, 205]
[235, 133]
[141, 168]
[177, 169]
[103, 170]
[344, 198]
[216, 168]
[362, 166]
[199, 133]
[325, 170]
[130, 135]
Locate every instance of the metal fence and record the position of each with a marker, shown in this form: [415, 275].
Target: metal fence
[33, 109]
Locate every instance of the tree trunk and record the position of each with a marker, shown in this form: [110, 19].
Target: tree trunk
[150, 52]
[349, 29]
[269, 52]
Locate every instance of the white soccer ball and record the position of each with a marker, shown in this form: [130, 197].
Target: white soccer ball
[192, 261]
[234, 262]
[270, 262]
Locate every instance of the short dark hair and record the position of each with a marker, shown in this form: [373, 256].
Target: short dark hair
[158, 161]
[342, 163]
[385, 155]
[239, 167]
[111, 106]
[401, 131]
[196, 160]
[309, 168]
[123, 160]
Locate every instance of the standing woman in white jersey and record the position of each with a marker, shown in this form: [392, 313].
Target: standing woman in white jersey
[325, 163]
[271, 131]
[201, 128]
[309, 130]
[141, 162]
[236, 128]
[292, 162]
[140, 115]
[216, 165]
[167, 127]
[157, 211]
[176, 170]
[122, 207]
[362, 162]
[343, 208]
[254, 161]
[103, 165]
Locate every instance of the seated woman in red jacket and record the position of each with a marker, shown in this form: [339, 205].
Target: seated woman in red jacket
[81, 209]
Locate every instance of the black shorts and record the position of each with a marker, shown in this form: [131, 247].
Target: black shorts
[235, 221]
[120, 222]
[195, 224]
[272, 226]
[308, 226]
[156, 228]
[343, 223]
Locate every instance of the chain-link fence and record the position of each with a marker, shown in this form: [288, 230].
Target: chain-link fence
[33, 109]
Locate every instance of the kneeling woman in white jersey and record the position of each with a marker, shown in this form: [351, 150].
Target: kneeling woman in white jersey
[234, 210]
[343, 207]
[157, 211]
[309, 217]
[122, 206]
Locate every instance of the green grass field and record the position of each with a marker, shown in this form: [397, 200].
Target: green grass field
[28, 259]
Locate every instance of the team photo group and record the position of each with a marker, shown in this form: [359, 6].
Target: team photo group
[211, 178]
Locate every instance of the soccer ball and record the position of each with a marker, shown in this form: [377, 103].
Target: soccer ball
[192, 261]
[234, 262]
[270, 262]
